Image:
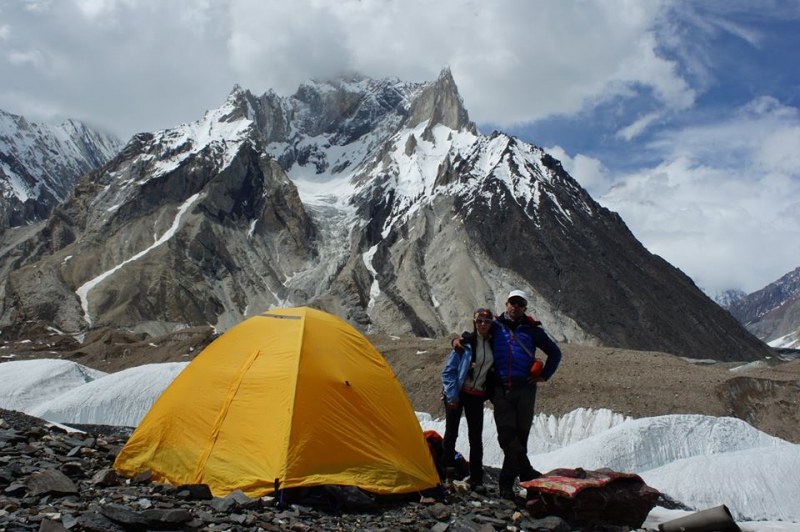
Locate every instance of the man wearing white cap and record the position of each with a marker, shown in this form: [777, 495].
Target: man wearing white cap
[515, 337]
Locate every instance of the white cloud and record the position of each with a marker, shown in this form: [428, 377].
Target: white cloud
[34, 6]
[34, 58]
[93, 9]
[279, 45]
[638, 127]
[780, 151]
[588, 171]
[123, 65]
[514, 62]
[724, 206]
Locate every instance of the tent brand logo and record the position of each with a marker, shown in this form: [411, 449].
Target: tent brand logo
[278, 316]
[274, 412]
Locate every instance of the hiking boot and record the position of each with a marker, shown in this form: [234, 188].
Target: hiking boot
[530, 475]
[507, 493]
[449, 475]
[480, 489]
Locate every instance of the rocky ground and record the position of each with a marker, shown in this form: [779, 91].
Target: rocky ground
[53, 481]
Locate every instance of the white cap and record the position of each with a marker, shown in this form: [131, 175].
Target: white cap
[517, 293]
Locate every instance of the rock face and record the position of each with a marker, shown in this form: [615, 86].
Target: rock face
[39, 165]
[376, 200]
[773, 313]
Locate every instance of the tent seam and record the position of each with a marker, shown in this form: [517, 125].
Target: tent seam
[232, 391]
[301, 335]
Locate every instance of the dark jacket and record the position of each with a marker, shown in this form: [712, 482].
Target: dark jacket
[514, 348]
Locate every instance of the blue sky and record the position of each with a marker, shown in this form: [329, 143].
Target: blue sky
[682, 116]
[730, 70]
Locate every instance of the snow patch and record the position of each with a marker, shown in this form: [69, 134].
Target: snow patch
[25, 383]
[374, 289]
[83, 290]
[99, 403]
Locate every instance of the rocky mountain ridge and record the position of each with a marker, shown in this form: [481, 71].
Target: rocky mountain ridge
[773, 313]
[376, 200]
[40, 163]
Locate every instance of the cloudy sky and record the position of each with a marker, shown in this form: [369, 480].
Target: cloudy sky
[682, 116]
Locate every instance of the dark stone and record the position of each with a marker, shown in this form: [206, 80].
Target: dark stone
[142, 478]
[15, 489]
[440, 512]
[124, 515]
[223, 504]
[490, 520]
[550, 524]
[105, 477]
[164, 519]
[194, 491]
[73, 469]
[243, 501]
[50, 481]
[97, 522]
[153, 519]
[468, 525]
[11, 437]
[47, 525]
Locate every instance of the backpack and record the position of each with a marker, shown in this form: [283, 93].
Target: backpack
[436, 448]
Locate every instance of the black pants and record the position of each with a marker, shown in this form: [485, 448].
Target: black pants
[513, 415]
[472, 406]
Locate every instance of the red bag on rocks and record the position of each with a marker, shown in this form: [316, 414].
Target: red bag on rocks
[602, 497]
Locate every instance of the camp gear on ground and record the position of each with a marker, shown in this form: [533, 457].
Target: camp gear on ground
[591, 498]
[717, 519]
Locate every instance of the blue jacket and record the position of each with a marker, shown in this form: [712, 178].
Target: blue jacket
[455, 372]
[512, 363]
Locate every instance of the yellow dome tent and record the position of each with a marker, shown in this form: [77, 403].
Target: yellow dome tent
[294, 396]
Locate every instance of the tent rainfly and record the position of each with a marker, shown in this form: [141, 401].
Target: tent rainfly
[293, 397]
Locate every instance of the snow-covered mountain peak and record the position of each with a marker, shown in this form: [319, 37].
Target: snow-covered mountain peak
[41, 163]
[773, 312]
[223, 125]
[218, 136]
[426, 163]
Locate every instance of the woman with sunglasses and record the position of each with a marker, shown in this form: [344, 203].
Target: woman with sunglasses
[465, 377]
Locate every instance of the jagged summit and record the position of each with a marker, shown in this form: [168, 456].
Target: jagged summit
[40, 163]
[440, 104]
[377, 200]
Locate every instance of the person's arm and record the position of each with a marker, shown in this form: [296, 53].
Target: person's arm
[450, 379]
[551, 349]
[458, 344]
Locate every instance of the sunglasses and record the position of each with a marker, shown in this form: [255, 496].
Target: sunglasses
[521, 303]
[483, 321]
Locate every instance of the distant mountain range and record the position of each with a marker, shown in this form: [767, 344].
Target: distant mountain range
[377, 200]
[772, 313]
[40, 164]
